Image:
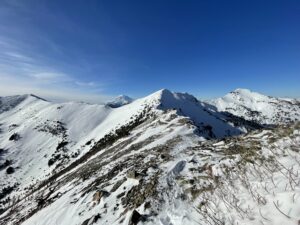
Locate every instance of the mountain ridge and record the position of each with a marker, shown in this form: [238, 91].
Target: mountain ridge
[128, 153]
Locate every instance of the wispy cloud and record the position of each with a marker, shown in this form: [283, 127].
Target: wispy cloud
[85, 84]
[18, 56]
[25, 68]
[21, 74]
[15, 85]
[51, 77]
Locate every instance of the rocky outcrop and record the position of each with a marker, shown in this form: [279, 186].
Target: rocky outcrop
[135, 218]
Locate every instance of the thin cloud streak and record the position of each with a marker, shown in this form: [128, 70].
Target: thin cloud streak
[85, 84]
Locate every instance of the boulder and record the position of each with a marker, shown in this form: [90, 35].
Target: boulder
[135, 218]
[99, 194]
[132, 174]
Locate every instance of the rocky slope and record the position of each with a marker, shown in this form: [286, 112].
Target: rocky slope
[164, 159]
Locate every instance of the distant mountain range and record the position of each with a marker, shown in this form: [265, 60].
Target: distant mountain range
[167, 159]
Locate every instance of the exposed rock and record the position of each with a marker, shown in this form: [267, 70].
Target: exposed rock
[139, 193]
[117, 185]
[121, 195]
[96, 218]
[134, 174]
[61, 145]
[88, 142]
[99, 194]
[135, 218]
[55, 128]
[7, 190]
[147, 205]
[92, 220]
[86, 222]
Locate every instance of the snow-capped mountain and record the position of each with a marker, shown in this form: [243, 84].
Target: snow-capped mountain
[57, 134]
[119, 101]
[163, 159]
[259, 108]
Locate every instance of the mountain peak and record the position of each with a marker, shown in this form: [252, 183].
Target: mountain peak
[242, 94]
[119, 101]
[164, 93]
[145, 145]
[161, 92]
[245, 92]
[241, 91]
[170, 99]
[124, 97]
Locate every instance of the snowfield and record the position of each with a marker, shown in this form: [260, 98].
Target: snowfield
[164, 159]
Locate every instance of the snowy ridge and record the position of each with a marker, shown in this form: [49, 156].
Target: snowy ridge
[58, 134]
[53, 134]
[157, 160]
[257, 107]
[10, 102]
[207, 120]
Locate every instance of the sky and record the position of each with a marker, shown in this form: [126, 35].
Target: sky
[94, 50]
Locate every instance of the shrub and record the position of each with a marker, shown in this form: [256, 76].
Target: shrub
[14, 137]
[5, 164]
[51, 162]
[10, 170]
[61, 145]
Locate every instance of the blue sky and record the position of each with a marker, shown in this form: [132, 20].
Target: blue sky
[92, 50]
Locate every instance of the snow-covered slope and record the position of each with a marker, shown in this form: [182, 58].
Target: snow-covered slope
[175, 180]
[120, 101]
[152, 161]
[57, 134]
[257, 107]
[35, 131]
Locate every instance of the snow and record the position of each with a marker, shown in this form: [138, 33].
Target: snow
[188, 105]
[170, 147]
[254, 106]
